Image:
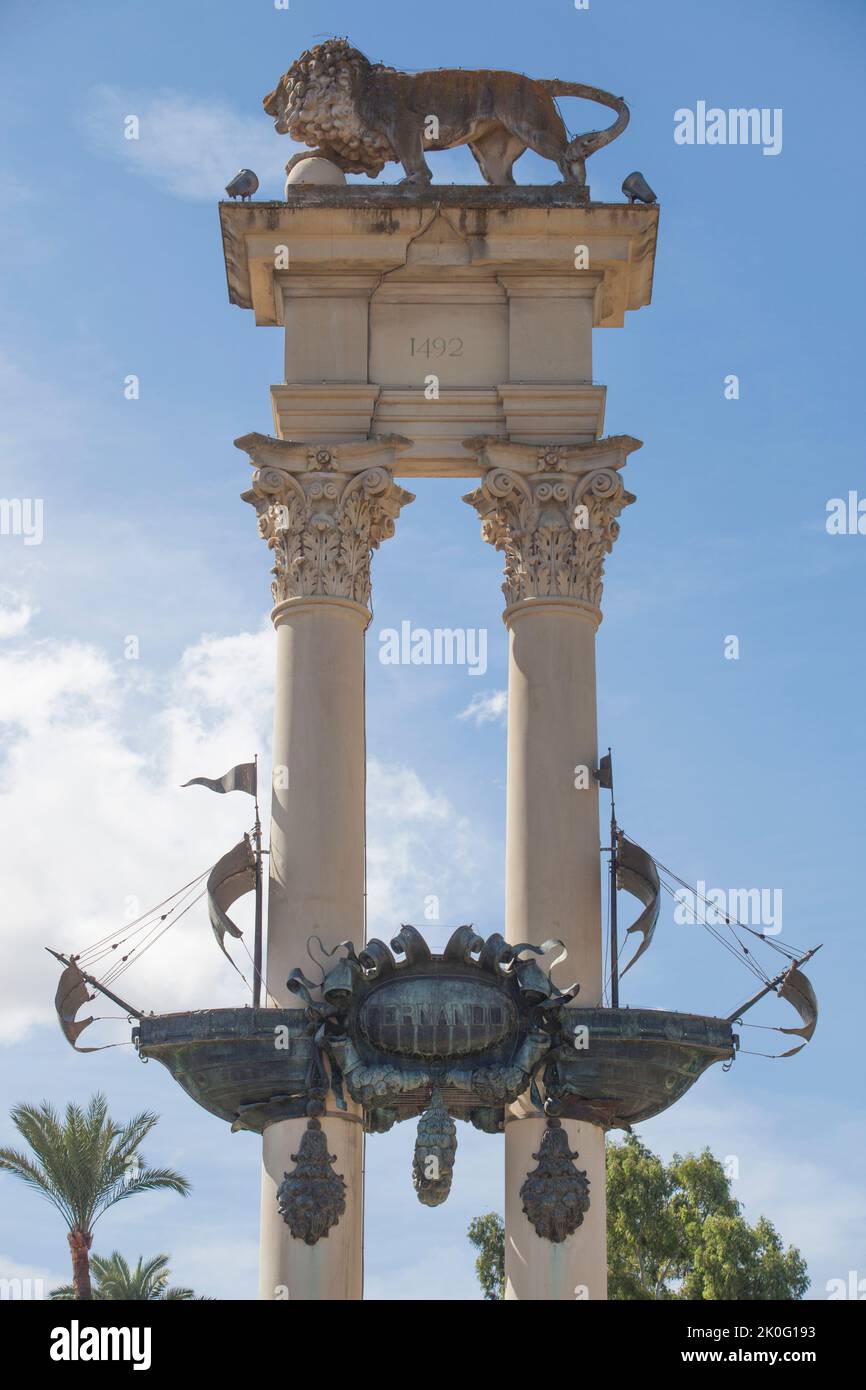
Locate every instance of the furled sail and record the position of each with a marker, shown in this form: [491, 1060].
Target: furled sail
[636, 873]
[797, 989]
[229, 879]
[72, 994]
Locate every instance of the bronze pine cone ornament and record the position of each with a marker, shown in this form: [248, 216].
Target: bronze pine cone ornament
[312, 1198]
[555, 1195]
[435, 1147]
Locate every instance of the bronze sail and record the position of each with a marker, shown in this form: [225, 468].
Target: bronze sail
[229, 879]
[637, 874]
[797, 989]
[72, 994]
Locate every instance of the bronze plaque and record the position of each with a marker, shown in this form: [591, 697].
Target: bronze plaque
[436, 1016]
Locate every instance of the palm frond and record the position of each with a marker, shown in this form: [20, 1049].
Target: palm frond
[147, 1282]
[84, 1163]
[147, 1180]
[13, 1161]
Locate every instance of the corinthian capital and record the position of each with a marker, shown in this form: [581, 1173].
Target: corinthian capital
[323, 510]
[553, 512]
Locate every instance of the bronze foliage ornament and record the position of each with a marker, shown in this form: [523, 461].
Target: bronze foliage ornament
[312, 1198]
[555, 1195]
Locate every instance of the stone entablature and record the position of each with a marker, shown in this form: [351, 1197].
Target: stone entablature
[438, 313]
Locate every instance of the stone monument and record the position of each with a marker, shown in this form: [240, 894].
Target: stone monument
[434, 332]
[437, 331]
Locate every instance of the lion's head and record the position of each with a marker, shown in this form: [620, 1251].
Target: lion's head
[315, 103]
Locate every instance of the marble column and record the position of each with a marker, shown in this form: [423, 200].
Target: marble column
[553, 512]
[323, 510]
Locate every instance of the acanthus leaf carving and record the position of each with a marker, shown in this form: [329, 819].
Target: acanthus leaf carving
[554, 528]
[323, 527]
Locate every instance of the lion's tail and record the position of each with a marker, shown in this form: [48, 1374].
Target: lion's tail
[557, 88]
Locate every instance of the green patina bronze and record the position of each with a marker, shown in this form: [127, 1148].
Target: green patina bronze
[482, 1024]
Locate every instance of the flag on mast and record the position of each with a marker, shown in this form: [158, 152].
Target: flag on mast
[238, 779]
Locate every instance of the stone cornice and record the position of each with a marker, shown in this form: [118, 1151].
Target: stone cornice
[498, 231]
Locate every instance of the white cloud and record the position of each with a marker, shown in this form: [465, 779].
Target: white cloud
[94, 825]
[95, 821]
[47, 682]
[16, 612]
[487, 707]
[418, 848]
[187, 146]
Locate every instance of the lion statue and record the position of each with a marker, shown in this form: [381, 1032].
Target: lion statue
[361, 115]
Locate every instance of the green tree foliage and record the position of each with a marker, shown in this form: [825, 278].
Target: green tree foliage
[83, 1165]
[487, 1234]
[674, 1231]
[113, 1279]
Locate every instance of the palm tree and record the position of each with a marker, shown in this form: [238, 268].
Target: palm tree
[83, 1165]
[147, 1283]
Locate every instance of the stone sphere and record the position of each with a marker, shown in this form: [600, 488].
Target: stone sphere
[315, 170]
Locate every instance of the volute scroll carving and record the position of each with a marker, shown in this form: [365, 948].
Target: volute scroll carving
[323, 527]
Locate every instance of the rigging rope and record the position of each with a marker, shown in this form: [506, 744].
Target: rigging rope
[792, 952]
[259, 974]
[125, 962]
[743, 955]
[111, 940]
[740, 950]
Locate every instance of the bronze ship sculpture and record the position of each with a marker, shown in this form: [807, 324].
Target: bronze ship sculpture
[408, 1033]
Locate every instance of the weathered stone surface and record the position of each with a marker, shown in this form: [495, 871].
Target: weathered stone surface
[321, 520]
[556, 523]
[361, 115]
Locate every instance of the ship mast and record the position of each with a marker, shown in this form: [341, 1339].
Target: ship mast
[770, 985]
[605, 779]
[614, 947]
[257, 939]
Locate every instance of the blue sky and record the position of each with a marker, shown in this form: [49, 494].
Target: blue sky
[742, 773]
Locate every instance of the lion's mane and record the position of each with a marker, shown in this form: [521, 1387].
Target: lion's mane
[317, 104]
